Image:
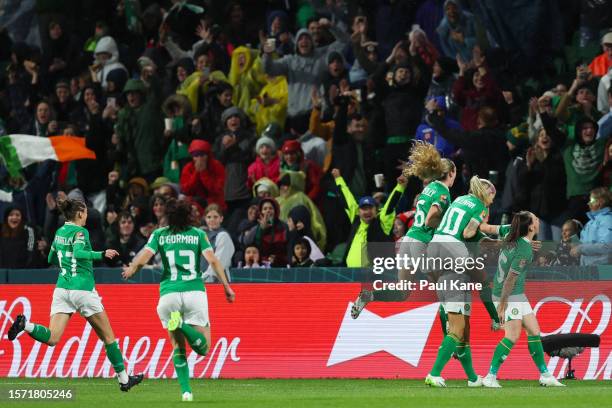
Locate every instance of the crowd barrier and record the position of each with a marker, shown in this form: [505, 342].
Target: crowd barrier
[299, 330]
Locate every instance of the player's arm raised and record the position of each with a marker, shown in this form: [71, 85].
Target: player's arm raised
[214, 262]
[140, 260]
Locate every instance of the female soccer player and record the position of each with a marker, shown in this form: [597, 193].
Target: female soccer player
[75, 290]
[183, 304]
[427, 165]
[512, 305]
[463, 219]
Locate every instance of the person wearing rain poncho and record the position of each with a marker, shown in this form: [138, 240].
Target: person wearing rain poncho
[246, 76]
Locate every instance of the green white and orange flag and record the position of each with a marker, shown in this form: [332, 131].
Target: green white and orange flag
[19, 151]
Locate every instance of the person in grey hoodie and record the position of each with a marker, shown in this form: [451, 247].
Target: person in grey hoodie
[106, 59]
[303, 69]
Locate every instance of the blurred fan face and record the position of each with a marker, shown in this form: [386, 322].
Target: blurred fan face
[401, 76]
[267, 209]
[159, 208]
[265, 152]
[213, 220]
[251, 255]
[358, 129]
[336, 68]
[14, 219]
[315, 30]
[544, 141]
[134, 99]
[588, 133]
[43, 113]
[126, 226]
[305, 44]
[89, 96]
[452, 12]
[202, 62]
[290, 157]
[55, 32]
[225, 98]
[181, 74]
[367, 213]
[477, 80]
[62, 94]
[233, 123]
[300, 252]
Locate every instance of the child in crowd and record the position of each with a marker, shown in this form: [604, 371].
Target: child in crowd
[301, 254]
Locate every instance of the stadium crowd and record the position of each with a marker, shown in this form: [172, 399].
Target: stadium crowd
[286, 124]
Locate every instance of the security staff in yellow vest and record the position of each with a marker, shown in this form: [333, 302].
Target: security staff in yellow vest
[368, 225]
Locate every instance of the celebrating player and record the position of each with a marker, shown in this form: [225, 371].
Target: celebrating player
[512, 305]
[183, 304]
[463, 219]
[426, 164]
[75, 290]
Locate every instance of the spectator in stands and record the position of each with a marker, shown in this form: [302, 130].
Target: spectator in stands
[58, 53]
[578, 103]
[367, 223]
[606, 168]
[428, 134]
[219, 239]
[234, 148]
[596, 238]
[605, 123]
[299, 223]
[63, 104]
[204, 176]
[251, 258]
[177, 136]
[106, 60]
[570, 233]
[543, 179]
[473, 89]
[457, 31]
[442, 78]
[245, 76]
[302, 69]
[291, 186]
[270, 106]
[293, 160]
[44, 123]
[267, 162]
[140, 128]
[603, 92]
[158, 210]
[218, 98]
[270, 234]
[301, 254]
[603, 62]
[21, 246]
[127, 241]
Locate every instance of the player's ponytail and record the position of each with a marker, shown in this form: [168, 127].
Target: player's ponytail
[179, 215]
[425, 163]
[482, 189]
[521, 221]
[70, 207]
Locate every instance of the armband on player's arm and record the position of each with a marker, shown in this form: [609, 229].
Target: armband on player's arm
[81, 253]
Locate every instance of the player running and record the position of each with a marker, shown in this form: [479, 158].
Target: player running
[426, 164]
[512, 305]
[463, 219]
[183, 304]
[75, 290]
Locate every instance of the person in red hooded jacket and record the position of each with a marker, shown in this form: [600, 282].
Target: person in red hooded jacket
[293, 159]
[204, 176]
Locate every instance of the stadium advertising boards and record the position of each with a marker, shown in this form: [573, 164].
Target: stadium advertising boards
[300, 331]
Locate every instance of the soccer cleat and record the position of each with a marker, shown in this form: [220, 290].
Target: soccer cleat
[365, 297]
[435, 381]
[477, 383]
[490, 381]
[17, 327]
[187, 397]
[175, 321]
[133, 380]
[548, 380]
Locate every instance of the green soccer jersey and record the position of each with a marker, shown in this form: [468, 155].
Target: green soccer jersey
[513, 260]
[180, 253]
[71, 251]
[435, 193]
[459, 214]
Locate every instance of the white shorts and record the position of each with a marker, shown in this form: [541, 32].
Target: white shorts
[87, 303]
[192, 305]
[412, 248]
[518, 307]
[446, 246]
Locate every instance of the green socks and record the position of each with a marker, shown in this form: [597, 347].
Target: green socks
[40, 333]
[182, 369]
[537, 352]
[501, 352]
[196, 340]
[389, 295]
[114, 356]
[464, 354]
[487, 301]
[447, 348]
[443, 319]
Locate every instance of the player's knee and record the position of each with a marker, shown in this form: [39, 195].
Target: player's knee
[513, 337]
[53, 340]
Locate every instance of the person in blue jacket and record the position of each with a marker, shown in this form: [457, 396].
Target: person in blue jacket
[596, 238]
[427, 133]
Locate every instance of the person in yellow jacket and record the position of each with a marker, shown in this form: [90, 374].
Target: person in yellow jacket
[291, 184]
[246, 76]
[270, 106]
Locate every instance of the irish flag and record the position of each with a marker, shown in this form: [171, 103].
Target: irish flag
[19, 151]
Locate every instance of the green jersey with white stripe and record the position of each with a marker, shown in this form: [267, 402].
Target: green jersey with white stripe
[435, 193]
[515, 260]
[459, 214]
[71, 251]
[180, 253]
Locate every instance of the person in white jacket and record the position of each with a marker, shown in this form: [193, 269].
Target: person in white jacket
[220, 240]
[106, 59]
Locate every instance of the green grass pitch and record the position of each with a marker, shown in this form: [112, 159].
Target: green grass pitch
[314, 393]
